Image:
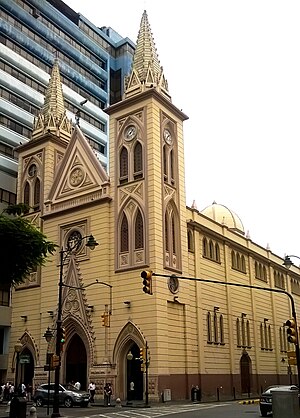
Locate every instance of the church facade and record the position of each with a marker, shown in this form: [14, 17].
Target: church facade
[225, 333]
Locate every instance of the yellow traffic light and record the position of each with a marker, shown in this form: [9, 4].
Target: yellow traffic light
[291, 331]
[105, 319]
[147, 281]
[142, 354]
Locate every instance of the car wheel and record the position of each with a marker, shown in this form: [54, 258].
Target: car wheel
[39, 401]
[68, 403]
[264, 412]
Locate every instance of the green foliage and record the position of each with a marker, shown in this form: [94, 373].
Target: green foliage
[23, 246]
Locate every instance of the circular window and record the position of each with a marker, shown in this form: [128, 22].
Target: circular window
[32, 170]
[173, 284]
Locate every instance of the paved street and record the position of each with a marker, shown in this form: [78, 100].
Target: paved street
[187, 410]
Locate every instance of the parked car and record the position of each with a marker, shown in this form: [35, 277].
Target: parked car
[265, 402]
[68, 395]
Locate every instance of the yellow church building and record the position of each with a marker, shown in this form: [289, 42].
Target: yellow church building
[229, 340]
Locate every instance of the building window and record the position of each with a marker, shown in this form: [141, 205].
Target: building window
[37, 194]
[138, 161]
[123, 165]
[124, 234]
[139, 231]
[279, 280]
[215, 327]
[260, 271]
[238, 262]
[190, 240]
[172, 234]
[27, 194]
[211, 250]
[283, 339]
[266, 336]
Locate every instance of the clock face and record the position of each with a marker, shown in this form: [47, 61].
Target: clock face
[167, 136]
[76, 177]
[130, 132]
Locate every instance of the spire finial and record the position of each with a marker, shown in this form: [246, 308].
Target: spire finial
[146, 72]
[52, 117]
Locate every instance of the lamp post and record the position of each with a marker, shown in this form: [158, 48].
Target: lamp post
[14, 409]
[18, 348]
[48, 337]
[91, 243]
[288, 263]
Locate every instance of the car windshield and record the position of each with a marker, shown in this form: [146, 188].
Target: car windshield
[71, 387]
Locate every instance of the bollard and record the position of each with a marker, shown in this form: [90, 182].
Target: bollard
[32, 412]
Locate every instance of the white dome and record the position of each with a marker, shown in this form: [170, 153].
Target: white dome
[224, 216]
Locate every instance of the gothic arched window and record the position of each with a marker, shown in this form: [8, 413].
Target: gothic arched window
[124, 234]
[27, 194]
[139, 231]
[138, 161]
[123, 165]
[37, 194]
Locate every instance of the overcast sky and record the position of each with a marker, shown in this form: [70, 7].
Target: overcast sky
[233, 66]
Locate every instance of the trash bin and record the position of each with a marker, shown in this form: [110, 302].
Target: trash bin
[18, 407]
[285, 404]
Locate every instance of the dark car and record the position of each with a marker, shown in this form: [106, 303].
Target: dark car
[265, 402]
[68, 395]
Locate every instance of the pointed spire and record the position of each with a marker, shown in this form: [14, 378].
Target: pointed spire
[146, 71]
[52, 117]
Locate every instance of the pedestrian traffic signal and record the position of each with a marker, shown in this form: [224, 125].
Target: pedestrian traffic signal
[147, 281]
[291, 331]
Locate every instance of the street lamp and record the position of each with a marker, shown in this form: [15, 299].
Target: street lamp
[91, 243]
[48, 337]
[14, 409]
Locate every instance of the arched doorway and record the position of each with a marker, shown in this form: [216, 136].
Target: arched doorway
[134, 374]
[245, 367]
[26, 367]
[76, 362]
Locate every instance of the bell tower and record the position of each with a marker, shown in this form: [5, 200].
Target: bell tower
[147, 166]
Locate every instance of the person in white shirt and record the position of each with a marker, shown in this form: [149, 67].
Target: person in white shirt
[92, 390]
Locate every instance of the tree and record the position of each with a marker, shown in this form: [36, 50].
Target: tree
[23, 246]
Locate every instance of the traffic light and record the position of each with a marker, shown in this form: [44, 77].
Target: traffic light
[291, 331]
[141, 354]
[62, 335]
[62, 338]
[105, 319]
[147, 281]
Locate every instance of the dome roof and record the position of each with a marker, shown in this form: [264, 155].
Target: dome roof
[224, 216]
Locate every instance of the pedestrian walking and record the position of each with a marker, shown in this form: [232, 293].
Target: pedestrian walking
[92, 390]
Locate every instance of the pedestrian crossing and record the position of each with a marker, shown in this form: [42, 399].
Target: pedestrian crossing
[155, 411]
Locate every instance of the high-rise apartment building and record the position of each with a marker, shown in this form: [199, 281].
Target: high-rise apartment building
[93, 62]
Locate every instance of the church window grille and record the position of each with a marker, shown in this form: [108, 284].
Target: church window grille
[139, 231]
[37, 194]
[27, 194]
[124, 234]
[123, 165]
[165, 164]
[138, 161]
[204, 247]
[209, 330]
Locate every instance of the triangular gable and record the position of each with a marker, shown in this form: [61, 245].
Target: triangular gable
[80, 173]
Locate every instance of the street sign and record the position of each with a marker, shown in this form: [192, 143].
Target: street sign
[24, 358]
[55, 360]
[292, 359]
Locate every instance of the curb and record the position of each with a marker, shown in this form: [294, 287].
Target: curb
[249, 402]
